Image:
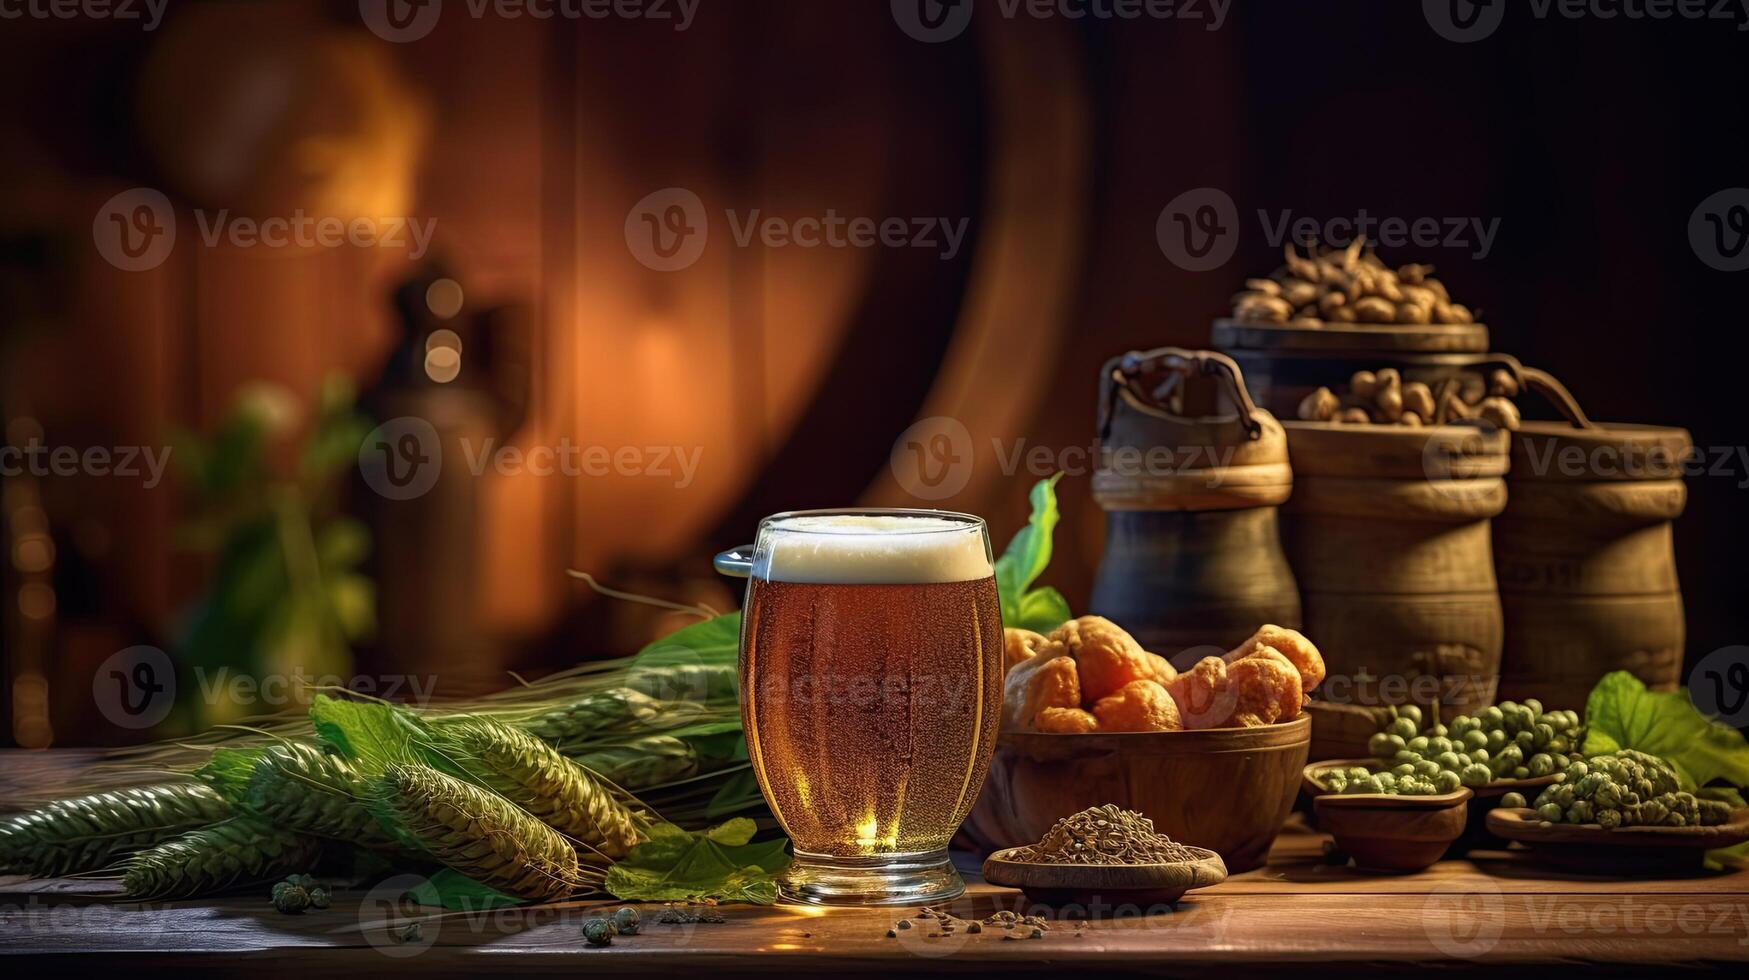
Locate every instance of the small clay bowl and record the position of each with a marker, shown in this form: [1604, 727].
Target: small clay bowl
[1591, 848]
[1387, 834]
[1095, 886]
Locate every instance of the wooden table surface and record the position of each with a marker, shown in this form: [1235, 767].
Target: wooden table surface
[1498, 911]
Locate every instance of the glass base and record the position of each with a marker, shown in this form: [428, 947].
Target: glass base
[921, 878]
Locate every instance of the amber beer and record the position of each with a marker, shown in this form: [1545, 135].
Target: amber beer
[871, 666]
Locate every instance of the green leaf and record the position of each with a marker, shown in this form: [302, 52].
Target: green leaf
[1622, 714]
[1043, 610]
[1028, 554]
[733, 833]
[714, 641]
[737, 793]
[228, 772]
[452, 890]
[370, 734]
[720, 864]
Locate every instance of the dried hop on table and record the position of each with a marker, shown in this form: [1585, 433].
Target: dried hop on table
[290, 898]
[599, 932]
[627, 919]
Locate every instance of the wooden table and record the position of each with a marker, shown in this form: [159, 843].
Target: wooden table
[1496, 911]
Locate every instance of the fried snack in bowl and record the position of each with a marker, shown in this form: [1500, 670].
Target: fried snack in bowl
[1106, 656]
[1139, 706]
[1291, 644]
[1202, 695]
[1067, 721]
[1020, 645]
[1164, 672]
[1265, 688]
[1045, 680]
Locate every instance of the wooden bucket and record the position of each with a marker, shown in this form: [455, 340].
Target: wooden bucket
[1585, 556]
[1388, 534]
[1284, 364]
[1193, 558]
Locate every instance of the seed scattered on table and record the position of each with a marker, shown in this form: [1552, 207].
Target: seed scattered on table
[682, 915]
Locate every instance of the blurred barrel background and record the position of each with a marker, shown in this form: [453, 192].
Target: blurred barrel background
[786, 373]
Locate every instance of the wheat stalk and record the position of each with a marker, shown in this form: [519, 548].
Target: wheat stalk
[643, 763]
[479, 834]
[88, 833]
[237, 851]
[533, 775]
[298, 786]
[617, 710]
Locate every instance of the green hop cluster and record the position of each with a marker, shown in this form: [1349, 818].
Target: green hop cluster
[299, 892]
[1626, 789]
[1505, 741]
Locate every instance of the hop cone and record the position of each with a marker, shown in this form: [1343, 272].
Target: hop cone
[649, 761]
[89, 833]
[237, 851]
[297, 786]
[479, 834]
[620, 709]
[535, 777]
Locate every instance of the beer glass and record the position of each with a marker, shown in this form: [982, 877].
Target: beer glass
[871, 691]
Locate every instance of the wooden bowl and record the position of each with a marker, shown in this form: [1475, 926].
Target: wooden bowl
[1104, 887]
[1384, 833]
[1476, 833]
[1225, 789]
[1590, 848]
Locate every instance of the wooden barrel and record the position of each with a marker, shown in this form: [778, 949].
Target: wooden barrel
[1283, 364]
[1193, 557]
[1389, 538]
[1585, 558]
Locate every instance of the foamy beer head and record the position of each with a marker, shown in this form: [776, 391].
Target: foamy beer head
[872, 549]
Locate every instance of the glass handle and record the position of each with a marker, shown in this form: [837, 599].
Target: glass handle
[736, 562]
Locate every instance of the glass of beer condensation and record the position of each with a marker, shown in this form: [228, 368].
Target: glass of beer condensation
[871, 690]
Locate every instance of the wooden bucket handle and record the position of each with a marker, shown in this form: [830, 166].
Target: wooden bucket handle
[1152, 376]
[1550, 388]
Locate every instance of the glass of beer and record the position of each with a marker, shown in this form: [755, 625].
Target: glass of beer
[871, 690]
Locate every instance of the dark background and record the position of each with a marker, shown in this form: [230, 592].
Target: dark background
[1592, 141]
